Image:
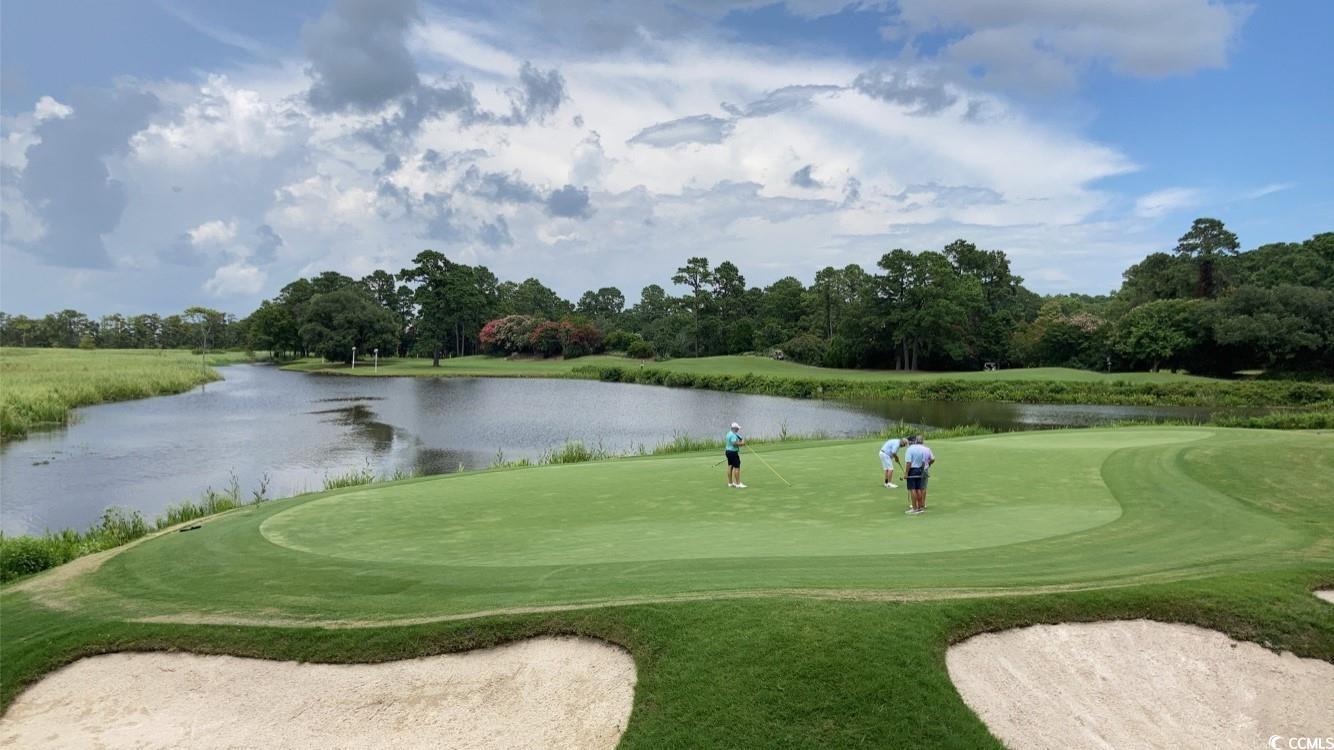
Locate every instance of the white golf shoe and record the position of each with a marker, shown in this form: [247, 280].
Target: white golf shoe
[891, 485]
[739, 486]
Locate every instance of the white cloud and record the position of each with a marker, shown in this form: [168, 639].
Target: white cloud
[1160, 202]
[237, 279]
[1270, 189]
[214, 232]
[684, 147]
[47, 108]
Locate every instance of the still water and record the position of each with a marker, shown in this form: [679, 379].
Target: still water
[296, 429]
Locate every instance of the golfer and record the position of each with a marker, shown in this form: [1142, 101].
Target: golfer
[917, 460]
[734, 442]
[889, 455]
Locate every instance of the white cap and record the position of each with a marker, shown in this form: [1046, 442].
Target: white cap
[736, 426]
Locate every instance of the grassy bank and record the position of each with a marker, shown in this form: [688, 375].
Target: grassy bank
[40, 387]
[828, 611]
[763, 376]
[483, 366]
[25, 554]
[1186, 392]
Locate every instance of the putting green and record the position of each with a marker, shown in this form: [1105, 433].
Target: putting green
[1014, 512]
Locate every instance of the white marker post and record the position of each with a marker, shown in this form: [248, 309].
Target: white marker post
[377, 359]
[354, 358]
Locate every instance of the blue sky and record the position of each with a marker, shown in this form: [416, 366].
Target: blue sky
[157, 155]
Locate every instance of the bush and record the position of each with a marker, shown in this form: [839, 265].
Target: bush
[546, 339]
[806, 349]
[24, 555]
[620, 341]
[578, 339]
[641, 349]
[507, 335]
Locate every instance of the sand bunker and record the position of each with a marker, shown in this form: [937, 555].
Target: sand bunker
[1327, 595]
[1139, 684]
[546, 692]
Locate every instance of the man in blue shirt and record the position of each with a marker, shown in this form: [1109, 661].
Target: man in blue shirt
[734, 442]
[917, 460]
[889, 455]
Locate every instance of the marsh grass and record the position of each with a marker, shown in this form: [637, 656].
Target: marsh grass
[353, 478]
[23, 555]
[40, 387]
[27, 554]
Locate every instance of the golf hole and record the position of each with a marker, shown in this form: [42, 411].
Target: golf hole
[1138, 684]
[544, 692]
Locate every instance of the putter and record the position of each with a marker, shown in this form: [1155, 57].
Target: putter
[766, 463]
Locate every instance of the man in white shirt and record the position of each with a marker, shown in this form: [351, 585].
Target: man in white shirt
[889, 455]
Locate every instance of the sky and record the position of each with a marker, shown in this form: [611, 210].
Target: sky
[157, 155]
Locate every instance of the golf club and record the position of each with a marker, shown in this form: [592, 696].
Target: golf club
[766, 463]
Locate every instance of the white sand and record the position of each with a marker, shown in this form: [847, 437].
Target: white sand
[1139, 684]
[545, 692]
[1327, 595]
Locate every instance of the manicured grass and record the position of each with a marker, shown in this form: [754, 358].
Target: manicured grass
[40, 387]
[482, 366]
[819, 614]
[1008, 513]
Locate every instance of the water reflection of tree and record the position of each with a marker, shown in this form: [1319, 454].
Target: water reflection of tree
[443, 460]
[365, 426]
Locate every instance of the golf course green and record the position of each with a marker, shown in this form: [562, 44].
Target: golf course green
[1008, 513]
[803, 616]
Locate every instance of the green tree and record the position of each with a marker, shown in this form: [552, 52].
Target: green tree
[605, 307]
[1206, 242]
[273, 328]
[696, 276]
[336, 322]
[534, 298]
[1288, 327]
[1159, 276]
[430, 272]
[1158, 333]
[206, 327]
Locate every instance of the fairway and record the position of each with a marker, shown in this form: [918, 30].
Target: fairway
[1011, 513]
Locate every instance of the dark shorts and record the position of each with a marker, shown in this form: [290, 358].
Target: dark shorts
[916, 479]
[733, 458]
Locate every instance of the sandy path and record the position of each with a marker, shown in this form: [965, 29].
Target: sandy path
[544, 692]
[1139, 684]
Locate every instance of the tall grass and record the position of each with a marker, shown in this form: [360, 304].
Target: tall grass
[40, 387]
[353, 478]
[24, 555]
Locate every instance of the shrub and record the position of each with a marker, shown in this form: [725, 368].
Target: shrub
[620, 341]
[641, 349]
[806, 349]
[578, 339]
[24, 555]
[545, 339]
[507, 335]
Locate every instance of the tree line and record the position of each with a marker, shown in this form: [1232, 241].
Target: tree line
[195, 328]
[1203, 306]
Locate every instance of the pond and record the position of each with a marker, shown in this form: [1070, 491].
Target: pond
[295, 430]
